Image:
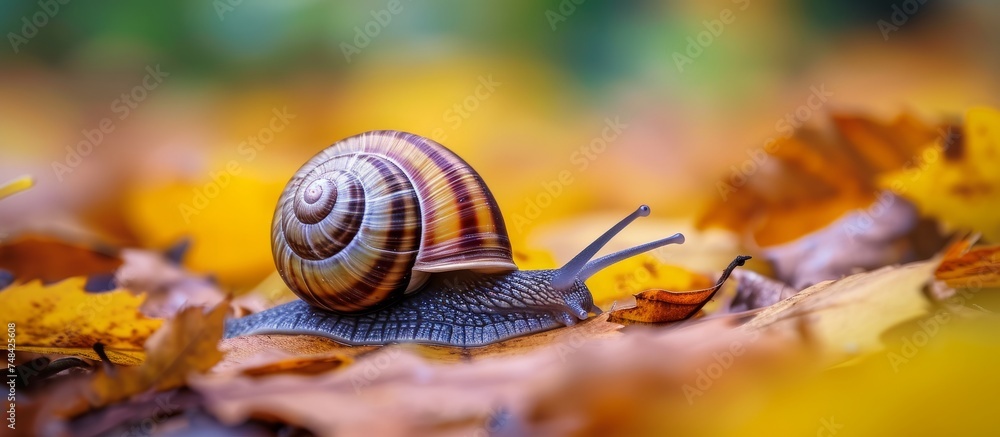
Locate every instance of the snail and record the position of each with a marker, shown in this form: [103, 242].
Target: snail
[390, 237]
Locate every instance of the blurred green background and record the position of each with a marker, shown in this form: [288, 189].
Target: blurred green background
[523, 90]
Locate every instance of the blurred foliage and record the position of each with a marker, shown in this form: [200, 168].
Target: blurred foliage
[561, 72]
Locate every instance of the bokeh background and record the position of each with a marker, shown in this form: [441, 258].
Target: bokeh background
[522, 90]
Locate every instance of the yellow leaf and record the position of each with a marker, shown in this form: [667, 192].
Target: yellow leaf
[956, 179]
[847, 317]
[186, 344]
[16, 186]
[63, 316]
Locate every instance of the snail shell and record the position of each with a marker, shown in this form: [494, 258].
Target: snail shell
[370, 217]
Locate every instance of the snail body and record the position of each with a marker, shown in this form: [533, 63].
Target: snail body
[390, 237]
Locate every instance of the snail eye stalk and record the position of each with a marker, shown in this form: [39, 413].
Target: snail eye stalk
[582, 266]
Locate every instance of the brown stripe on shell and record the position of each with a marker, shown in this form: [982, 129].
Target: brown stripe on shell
[479, 240]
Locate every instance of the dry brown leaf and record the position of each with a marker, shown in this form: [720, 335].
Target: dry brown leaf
[846, 318]
[660, 306]
[185, 345]
[494, 395]
[813, 177]
[977, 268]
[62, 318]
[30, 257]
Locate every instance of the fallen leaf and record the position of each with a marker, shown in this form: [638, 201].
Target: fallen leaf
[527, 394]
[978, 268]
[813, 177]
[117, 356]
[845, 318]
[62, 318]
[623, 279]
[185, 345]
[50, 259]
[16, 186]
[955, 178]
[660, 306]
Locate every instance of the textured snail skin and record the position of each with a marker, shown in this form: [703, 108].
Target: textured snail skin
[455, 309]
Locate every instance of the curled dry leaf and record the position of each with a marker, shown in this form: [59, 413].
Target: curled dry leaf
[622, 280]
[64, 319]
[845, 318]
[659, 306]
[976, 269]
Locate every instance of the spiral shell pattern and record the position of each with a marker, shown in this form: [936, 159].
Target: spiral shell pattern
[372, 213]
